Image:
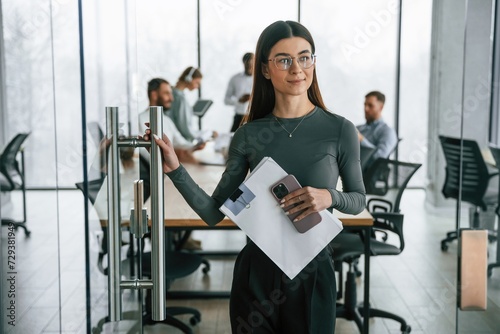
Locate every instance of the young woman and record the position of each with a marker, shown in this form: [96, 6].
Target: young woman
[288, 122]
[181, 111]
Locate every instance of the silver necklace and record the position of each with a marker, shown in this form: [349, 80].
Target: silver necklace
[290, 133]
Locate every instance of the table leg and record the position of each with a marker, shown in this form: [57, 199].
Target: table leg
[366, 302]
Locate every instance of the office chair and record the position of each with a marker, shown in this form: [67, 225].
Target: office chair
[385, 182]
[348, 247]
[12, 176]
[495, 152]
[178, 264]
[365, 153]
[476, 186]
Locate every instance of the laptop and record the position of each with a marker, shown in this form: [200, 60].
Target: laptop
[201, 107]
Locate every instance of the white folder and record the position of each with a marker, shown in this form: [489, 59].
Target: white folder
[254, 209]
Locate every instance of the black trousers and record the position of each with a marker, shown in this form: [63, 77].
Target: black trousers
[264, 300]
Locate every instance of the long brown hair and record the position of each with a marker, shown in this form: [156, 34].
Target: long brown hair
[263, 98]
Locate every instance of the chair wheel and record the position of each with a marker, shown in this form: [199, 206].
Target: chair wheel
[194, 320]
[27, 233]
[406, 330]
[444, 247]
[490, 272]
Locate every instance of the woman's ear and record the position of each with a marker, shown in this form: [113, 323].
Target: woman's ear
[265, 71]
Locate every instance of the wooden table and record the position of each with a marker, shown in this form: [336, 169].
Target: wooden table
[179, 215]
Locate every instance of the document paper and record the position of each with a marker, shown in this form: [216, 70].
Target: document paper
[262, 219]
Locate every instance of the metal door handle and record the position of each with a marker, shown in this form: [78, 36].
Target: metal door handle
[157, 282]
[138, 215]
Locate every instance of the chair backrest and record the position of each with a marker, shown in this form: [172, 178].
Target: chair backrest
[475, 175]
[392, 222]
[9, 166]
[365, 153]
[387, 179]
[495, 152]
[93, 189]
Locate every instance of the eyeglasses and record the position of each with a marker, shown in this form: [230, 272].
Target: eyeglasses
[283, 63]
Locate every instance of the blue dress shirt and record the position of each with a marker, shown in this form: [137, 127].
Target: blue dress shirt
[380, 136]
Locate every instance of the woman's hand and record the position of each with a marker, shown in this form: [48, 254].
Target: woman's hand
[170, 161]
[307, 199]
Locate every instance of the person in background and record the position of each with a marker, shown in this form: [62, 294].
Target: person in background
[181, 111]
[239, 90]
[288, 122]
[375, 133]
[160, 94]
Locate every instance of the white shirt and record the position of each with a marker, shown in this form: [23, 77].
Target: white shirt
[169, 129]
[239, 85]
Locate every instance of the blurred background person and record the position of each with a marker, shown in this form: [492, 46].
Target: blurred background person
[375, 133]
[181, 112]
[239, 90]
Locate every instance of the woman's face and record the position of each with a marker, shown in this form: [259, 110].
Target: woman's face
[295, 80]
[194, 84]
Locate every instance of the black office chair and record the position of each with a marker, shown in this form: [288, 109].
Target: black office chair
[12, 176]
[179, 264]
[348, 247]
[476, 186]
[385, 182]
[365, 153]
[495, 152]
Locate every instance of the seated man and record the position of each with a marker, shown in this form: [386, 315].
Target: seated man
[375, 133]
[160, 94]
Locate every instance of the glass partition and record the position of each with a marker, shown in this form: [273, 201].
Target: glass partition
[222, 52]
[414, 85]
[476, 118]
[46, 270]
[358, 52]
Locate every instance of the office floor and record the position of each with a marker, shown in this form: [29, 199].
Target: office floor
[50, 280]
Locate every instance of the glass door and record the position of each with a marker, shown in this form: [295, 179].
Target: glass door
[45, 270]
[109, 34]
[57, 275]
[478, 300]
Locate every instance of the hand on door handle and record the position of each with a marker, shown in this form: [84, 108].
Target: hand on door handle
[170, 161]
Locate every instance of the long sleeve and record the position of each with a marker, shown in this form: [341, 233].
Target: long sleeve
[230, 98]
[380, 136]
[206, 206]
[181, 114]
[386, 143]
[352, 197]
